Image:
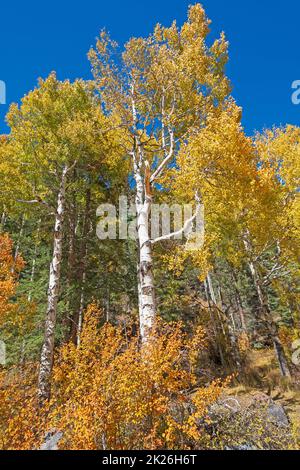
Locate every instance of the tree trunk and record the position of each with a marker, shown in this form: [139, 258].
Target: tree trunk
[147, 308]
[29, 296]
[17, 250]
[46, 361]
[77, 318]
[33, 266]
[81, 309]
[225, 322]
[271, 326]
[230, 323]
[238, 300]
[3, 220]
[215, 325]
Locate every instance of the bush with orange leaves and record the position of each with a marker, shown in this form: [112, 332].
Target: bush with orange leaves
[9, 269]
[21, 422]
[113, 393]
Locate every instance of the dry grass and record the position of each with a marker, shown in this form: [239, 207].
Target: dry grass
[262, 375]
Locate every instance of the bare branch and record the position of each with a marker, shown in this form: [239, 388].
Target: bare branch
[71, 167]
[187, 224]
[163, 164]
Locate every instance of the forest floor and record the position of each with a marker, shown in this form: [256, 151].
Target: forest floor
[263, 377]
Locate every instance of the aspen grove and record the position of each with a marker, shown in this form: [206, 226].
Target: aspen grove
[142, 342]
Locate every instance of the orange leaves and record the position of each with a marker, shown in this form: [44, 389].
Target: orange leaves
[20, 422]
[9, 268]
[113, 393]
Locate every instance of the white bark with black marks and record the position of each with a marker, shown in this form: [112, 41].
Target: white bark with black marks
[46, 361]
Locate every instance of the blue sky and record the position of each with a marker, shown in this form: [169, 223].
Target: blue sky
[37, 37]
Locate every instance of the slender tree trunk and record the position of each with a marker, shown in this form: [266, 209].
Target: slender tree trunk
[218, 348]
[73, 220]
[211, 289]
[17, 250]
[73, 223]
[81, 309]
[271, 326]
[226, 325]
[230, 323]
[77, 319]
[239, 302]
[29, 296]
[33, 266]
[47, 354]
[107, 304]
[3, 220]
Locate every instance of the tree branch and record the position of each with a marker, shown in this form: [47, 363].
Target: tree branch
[160, 168]
[183, 229]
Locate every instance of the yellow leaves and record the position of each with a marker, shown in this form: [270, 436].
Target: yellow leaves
[197, 24]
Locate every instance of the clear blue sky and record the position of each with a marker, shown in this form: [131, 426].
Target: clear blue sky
[37, 37]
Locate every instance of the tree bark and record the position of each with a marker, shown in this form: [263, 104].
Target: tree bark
[147, 308]
[3, 220]
[47, 354]
[17, 250]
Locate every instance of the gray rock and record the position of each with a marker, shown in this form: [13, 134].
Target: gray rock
[277, 415]
[242, 447]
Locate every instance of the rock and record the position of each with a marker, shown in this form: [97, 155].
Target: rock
[51, 440]
[224, 408]
[275, 412]
[242, 447]
[277, 415]
[260, 403]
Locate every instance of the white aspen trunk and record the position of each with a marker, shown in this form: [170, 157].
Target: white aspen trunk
[211, 289]
[3, 220]
[107, 305]
[143, 201]
[147, 310]
[81, 308]
[46, 361]
[18, 244]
